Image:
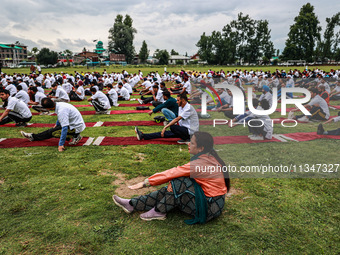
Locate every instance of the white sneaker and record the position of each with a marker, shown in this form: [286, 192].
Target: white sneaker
[290, 115]
[250, 136]
[256, 138]
[304, 119]
[75, 140]
[27, 135]
[140, 101]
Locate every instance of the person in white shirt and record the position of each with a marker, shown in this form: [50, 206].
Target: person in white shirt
[38, 96]
[266, 95]
[16, 110]
[318, 108]
[99, 101]
[12, 89]
[186, 86]
[187, 120]
[77, 93]
[112, 95]
[67, 86]
[123, 93]
[156, 99]
[69, 125]
[22, 95]
[60, 94]
[335, 93]
[321, 131]
[23, 85]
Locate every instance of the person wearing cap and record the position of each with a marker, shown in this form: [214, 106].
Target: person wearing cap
[266, 95]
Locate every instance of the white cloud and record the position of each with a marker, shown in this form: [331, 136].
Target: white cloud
[178, 25]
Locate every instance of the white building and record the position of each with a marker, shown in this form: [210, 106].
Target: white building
[178, 59]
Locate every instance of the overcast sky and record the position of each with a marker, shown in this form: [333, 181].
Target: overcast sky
[74, 24]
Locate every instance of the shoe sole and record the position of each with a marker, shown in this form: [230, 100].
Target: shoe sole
[155, 218]
[138, 138]
[76, 141]
[124, 209]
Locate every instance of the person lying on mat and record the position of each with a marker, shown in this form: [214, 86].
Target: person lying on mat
[16, 110]
[70, 124]
[321, 130]
[201, 196]
[187, 120]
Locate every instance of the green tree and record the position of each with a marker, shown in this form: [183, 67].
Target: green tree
[243, 39]
[205, 48]
[144, 52]
[303, 35]
[173, 52]
[162, 56]
[46, 57]
[121, 37]
[329, 44]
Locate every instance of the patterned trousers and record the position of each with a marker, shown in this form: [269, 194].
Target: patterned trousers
[181, 197]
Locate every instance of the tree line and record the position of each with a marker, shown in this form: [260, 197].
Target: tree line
[244, 40]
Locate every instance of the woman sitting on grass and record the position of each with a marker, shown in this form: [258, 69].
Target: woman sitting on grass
[201, 196]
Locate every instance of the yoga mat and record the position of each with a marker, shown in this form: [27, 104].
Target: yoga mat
[23, 142]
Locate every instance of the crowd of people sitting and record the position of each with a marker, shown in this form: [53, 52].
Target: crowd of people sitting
[201, 197]
[21, 90]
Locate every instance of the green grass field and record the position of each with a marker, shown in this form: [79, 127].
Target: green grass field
[160, 69]
[60, 203]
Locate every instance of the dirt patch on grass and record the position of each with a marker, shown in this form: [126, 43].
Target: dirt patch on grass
[233, 192]
[123, 183]
[2, 181]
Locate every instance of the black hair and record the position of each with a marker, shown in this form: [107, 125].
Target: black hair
[166, 93]
[19, 87]
[34, 89]
[205, 140]
[314, 90]
[92, 89]
[155, 86]
[5, 91]
[47, 102]
[162, 83]
[109, 86]
[183, 96]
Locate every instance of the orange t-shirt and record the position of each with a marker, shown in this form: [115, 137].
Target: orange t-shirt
[204, 170]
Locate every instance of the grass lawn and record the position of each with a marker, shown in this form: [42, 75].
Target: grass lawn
[60, 203]
[160, 69]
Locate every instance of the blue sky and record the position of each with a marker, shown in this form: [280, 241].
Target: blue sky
[178, 25]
